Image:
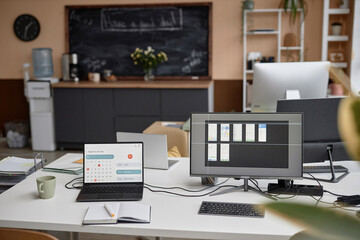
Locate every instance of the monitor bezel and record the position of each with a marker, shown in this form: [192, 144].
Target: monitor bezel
[275, 173]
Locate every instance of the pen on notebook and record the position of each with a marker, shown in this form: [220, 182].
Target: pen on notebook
[109, 210]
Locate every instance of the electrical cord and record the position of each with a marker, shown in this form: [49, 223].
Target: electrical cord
[350, 208]
[186, 195]
[287, 189]
[337, 195]
[73, 184]
[319, 199]
[184, 189]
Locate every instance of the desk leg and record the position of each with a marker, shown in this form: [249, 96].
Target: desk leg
[74, 235]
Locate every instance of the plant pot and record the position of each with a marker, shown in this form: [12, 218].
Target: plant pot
[336, 29]
[248, 5]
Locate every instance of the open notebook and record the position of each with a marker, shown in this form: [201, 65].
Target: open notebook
[123, 212]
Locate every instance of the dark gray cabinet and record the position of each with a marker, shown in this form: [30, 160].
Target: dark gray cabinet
[69, 115]
[95, 114]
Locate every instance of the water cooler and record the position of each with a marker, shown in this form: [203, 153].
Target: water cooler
[39, 94]
[41, 115]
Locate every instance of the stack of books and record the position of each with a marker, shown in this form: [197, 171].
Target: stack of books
[71, 163]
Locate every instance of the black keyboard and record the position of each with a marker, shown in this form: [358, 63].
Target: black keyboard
[231, 209]
[113, 189]
[324, 169]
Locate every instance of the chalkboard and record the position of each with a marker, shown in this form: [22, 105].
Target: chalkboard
[105, 36]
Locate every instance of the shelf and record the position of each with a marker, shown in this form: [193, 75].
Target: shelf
[339, 64]
[290, 48]
[262, 32]
[262, 10]
[335, 11]
[341, 38]
[267, 10]
[247, 109]
[249, 71]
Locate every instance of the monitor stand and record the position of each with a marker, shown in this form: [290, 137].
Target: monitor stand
[292, 94]
[244, 187]
[333, 178]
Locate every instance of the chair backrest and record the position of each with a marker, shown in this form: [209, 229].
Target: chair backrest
[19, 234]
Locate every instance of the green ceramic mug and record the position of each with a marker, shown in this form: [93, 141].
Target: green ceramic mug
[46, 186]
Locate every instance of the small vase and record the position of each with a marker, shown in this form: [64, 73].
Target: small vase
[149, 76]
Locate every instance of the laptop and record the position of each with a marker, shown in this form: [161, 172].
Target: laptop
[112, 172]
[155, 148]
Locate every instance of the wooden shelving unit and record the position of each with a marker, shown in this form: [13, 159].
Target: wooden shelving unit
[280, 48]
[337, 44]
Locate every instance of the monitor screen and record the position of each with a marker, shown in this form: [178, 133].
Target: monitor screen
[113, 162]
[272, 81]
[246, 145]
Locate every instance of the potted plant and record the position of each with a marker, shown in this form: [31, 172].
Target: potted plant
[293, 6]
[248, 5]
[148, 60]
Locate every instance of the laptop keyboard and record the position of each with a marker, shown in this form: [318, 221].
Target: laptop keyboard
[231, 209]
[112, 189]
[324, 169]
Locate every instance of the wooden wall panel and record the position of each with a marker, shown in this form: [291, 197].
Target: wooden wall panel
[13, 104]
[228, 96]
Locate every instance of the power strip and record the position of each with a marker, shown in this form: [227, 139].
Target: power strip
[296, 189]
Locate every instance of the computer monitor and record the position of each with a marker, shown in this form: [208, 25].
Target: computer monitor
[273, 81]
[321, 137]
[246, 145]
[320, 127]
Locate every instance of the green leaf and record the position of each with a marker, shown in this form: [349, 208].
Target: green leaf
[356, 111]
[321, 222]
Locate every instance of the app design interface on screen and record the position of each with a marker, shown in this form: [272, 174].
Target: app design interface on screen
[247, 144]
[113, 163]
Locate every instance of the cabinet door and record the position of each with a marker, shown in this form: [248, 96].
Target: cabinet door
[69, 115]
[133, 124]
[178, 104]
[98, 111]
[137, 102]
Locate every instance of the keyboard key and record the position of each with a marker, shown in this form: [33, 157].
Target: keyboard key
[112, 189]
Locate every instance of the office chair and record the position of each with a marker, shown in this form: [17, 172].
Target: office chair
[18, 234]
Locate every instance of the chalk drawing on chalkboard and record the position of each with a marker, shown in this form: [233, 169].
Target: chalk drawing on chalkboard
[93, 64]
[148, 19]
[193, 60]
[86, 21]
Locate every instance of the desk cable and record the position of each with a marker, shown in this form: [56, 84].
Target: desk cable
[74, 185]
[336, 203]
[164, 189]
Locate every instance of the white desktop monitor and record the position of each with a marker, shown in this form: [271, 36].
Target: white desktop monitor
[247, 145]
[272, 82]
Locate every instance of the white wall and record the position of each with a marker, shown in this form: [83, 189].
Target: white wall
[355, 61]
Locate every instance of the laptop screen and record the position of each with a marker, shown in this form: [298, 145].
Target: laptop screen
[113, 163]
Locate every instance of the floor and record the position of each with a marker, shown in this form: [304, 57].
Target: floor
[28, 152]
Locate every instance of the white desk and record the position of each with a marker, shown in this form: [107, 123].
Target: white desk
[172, 216]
